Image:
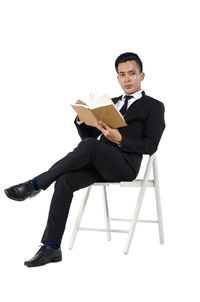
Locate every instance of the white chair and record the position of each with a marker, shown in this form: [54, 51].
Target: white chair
[143, 184]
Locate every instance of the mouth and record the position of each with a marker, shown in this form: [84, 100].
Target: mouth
[128, 86]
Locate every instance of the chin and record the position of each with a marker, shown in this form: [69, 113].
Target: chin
[129, 91]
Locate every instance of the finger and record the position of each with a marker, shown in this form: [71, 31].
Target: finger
[80, 102]
[100, 128]
[98, 125]
[104, 125]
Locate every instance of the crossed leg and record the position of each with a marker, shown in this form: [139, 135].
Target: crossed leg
[91, 161]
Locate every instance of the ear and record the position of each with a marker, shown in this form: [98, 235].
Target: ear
[142, 76]
[118, 77]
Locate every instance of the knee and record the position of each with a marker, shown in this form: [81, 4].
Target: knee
[63, 182]
[88, 143]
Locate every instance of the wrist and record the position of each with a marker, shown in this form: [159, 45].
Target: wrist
[119, 140]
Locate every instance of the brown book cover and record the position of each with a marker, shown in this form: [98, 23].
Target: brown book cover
[100, 109]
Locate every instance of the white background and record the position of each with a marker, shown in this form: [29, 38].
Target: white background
[53, 53]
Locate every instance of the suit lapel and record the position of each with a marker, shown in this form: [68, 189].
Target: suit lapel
[130, 110]
[115, 100]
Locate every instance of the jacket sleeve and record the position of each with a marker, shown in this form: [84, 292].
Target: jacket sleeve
[85, 131]
[153, 129]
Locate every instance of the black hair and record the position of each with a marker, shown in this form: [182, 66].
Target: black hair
[128, 56]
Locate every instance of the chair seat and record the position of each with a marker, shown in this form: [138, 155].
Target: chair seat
[134, 183]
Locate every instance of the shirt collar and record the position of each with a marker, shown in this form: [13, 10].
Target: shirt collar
[136, 95]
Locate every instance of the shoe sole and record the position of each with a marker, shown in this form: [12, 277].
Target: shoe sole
[57, 259]
[18, 199]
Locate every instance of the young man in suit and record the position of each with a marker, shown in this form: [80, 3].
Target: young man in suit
[116, 156]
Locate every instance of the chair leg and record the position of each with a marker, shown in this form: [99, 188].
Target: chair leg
[134, 220]
[79, 217]
[138, 206]
[158, 203]
[106, 213]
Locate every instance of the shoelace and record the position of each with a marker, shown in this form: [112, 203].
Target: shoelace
[42, 248]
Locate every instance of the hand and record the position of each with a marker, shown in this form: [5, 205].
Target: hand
[80, 102]
[112, 134]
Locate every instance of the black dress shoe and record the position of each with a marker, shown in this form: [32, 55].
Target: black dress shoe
[22, 191]
[45, 255]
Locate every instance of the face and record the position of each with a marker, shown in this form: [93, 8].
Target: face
[130, 77]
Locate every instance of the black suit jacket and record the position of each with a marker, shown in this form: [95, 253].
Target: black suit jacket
[145, 120]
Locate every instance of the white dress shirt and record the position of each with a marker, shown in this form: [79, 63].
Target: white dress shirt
[135, 96]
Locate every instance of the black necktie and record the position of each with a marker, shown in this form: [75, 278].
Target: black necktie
[124, 107]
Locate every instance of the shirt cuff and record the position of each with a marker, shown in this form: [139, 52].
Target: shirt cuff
[78, 122]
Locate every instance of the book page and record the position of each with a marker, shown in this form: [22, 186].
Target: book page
[80, 105]
[100, 100]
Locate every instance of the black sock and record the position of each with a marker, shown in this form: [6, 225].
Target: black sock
[35, 184]
[50, 243]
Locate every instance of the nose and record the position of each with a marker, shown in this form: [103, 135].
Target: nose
[127, 78]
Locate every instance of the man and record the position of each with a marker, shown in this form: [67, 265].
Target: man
[116, 156]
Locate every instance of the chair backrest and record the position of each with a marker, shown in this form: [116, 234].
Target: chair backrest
[146, 159]
[144, 179]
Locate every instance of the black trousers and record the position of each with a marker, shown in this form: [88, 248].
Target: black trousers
[91, 161]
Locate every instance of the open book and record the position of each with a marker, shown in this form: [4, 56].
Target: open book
[100, 108]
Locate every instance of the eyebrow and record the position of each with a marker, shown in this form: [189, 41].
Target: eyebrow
[128, 71]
